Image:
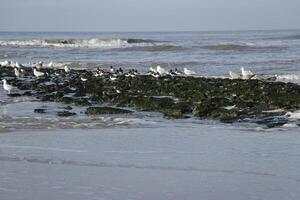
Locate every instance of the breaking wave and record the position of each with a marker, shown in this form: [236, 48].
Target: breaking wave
[75, 43]
[289, 77]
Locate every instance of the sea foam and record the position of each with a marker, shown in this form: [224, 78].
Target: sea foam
[75, 43]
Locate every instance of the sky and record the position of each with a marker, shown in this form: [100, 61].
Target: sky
[148, 15]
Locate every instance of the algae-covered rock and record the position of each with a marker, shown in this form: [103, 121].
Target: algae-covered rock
[40, 110]
[175, 97]
[68, 108]
[65, 113]
[14, 95]
[105, 111]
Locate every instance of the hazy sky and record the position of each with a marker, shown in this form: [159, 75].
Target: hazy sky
[148, 15]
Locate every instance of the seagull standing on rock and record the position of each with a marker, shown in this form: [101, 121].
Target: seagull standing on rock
[67, 69]
[5, 63]
[17, 72]
[38, 65]
[51, 64]
[188, 72]
[37, 73]
[234, 75]
[111, 69]
[247, 74]
[161, 70]
[113, 77]
[7, 87]
[177, 72]
[83, 78]
[19, 66]
[152, 70]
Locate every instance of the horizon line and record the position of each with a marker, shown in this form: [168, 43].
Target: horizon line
[148, 31]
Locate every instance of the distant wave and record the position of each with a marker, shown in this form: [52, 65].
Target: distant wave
[245, 46]
[74, 43]
[293, 37]
[5, 54]
[289, 37]
[227, 47]
[153, 48]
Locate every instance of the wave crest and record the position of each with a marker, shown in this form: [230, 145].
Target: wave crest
[289, 77]
[75, 43]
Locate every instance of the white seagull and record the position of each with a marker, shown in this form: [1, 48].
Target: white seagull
[152, 70]
[18, 65]
[37, 73]
[234, 75]
[7, 87]
[188, 72]
[5, 63]
[111, 69]
[12, 64]
[17, 72]
[51, 64]
[247, 74]
[113, 78]
[83, 79]
[38, 65]
[67, 69]
[161, 70]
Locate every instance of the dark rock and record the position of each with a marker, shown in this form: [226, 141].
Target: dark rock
[174, 97]
[68, 108]
[272, 122]
[14, 95]
[40, 110]
[65, 113]
[27, 93]
[105, 111]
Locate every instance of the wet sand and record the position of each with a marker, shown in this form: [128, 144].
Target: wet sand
[168, 162]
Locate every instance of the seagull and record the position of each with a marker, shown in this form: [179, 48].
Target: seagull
[17, 72]
[234, 75]
[83, 79]
[152, 70]
[120, 71]
[67, 69]
[7, 87]
[172, 73]
[38, 65]
[112, 78]
[161, 70]
[247, 74]
[5, 63]
[177, 72]
[112, 69]
[12, 64]
[188, 72]
[51, 64]
[117, 91]
[19, 65]
[37, 73]
[99, 72]
[156, 75]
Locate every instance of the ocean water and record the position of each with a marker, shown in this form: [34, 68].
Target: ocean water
[208, 53]
[143, 155]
